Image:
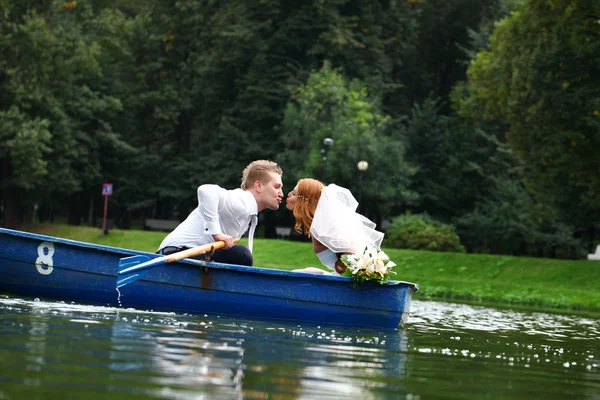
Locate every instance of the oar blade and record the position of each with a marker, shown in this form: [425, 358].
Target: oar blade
[127, 262]
[127, 278]
[133, 268]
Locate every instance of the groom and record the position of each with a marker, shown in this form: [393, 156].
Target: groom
[224, 215]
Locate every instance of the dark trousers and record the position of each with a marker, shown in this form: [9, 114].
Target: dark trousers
[238, 254]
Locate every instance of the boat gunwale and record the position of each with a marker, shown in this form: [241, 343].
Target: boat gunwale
[198, 263]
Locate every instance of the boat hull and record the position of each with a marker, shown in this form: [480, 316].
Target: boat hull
[52, 268]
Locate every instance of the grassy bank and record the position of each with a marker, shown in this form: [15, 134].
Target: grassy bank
[523, 281]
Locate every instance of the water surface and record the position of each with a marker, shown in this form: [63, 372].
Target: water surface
[57, 350]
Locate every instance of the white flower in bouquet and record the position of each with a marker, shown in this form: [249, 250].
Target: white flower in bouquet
[359, 263]
[373, 264]
[381, 255]
[380, 267]
[370, 263]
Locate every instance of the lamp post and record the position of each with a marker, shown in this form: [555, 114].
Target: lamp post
[362, 167]
[327, 143]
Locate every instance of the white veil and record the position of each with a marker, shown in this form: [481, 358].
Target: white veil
[338, 226]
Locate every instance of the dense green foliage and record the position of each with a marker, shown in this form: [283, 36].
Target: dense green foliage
[537, 77]
[328, 106]
[458, 160]
[58, 102]
[421, 232]
[510, 222]
[482, 113]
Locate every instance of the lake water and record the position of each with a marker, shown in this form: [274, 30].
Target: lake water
[56, 350]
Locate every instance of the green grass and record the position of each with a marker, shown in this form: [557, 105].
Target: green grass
[474, 278]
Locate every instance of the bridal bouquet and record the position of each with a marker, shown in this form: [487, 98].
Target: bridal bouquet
[372, 265]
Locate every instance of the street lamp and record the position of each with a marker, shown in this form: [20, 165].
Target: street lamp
[327, 143]
[362, 167]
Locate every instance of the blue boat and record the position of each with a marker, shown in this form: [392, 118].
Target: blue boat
[53, 268]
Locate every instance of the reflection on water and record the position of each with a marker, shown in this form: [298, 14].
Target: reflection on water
[445, 351]
[432, 316]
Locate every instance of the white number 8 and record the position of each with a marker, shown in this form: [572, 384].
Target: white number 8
[44, 262]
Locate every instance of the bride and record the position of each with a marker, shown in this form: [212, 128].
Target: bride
[327, 214]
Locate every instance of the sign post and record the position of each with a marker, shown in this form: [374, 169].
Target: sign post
[106, 191]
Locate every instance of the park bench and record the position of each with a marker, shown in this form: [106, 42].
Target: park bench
[283, 231]
[166, 225]
[595, 256]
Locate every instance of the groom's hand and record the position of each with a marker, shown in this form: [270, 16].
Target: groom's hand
[225, 238]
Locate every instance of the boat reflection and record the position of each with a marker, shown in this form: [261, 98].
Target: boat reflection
[255, 359]
[171, 355]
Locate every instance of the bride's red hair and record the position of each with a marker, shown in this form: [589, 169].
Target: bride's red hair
[309, 193]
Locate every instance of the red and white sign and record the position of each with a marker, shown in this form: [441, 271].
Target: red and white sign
[106, 189]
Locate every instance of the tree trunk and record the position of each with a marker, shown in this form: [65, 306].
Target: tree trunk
[91, 216]
[592, 238]
[485, 9]
[74, 213]
[125, 218]
[184, 132]
[12, 209]
[28, 212]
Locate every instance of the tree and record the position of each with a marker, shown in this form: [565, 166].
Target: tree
[509, 221]
[55, 101]
[329, 106]
[457, 160]
[426, 55]
[540, 76]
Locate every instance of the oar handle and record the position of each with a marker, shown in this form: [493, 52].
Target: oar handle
[194, 251]
[131, 267]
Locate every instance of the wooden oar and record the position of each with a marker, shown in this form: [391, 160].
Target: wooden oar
[133, 268]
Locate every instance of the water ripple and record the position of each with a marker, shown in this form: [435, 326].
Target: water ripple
[440, 316]
[98, 351]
